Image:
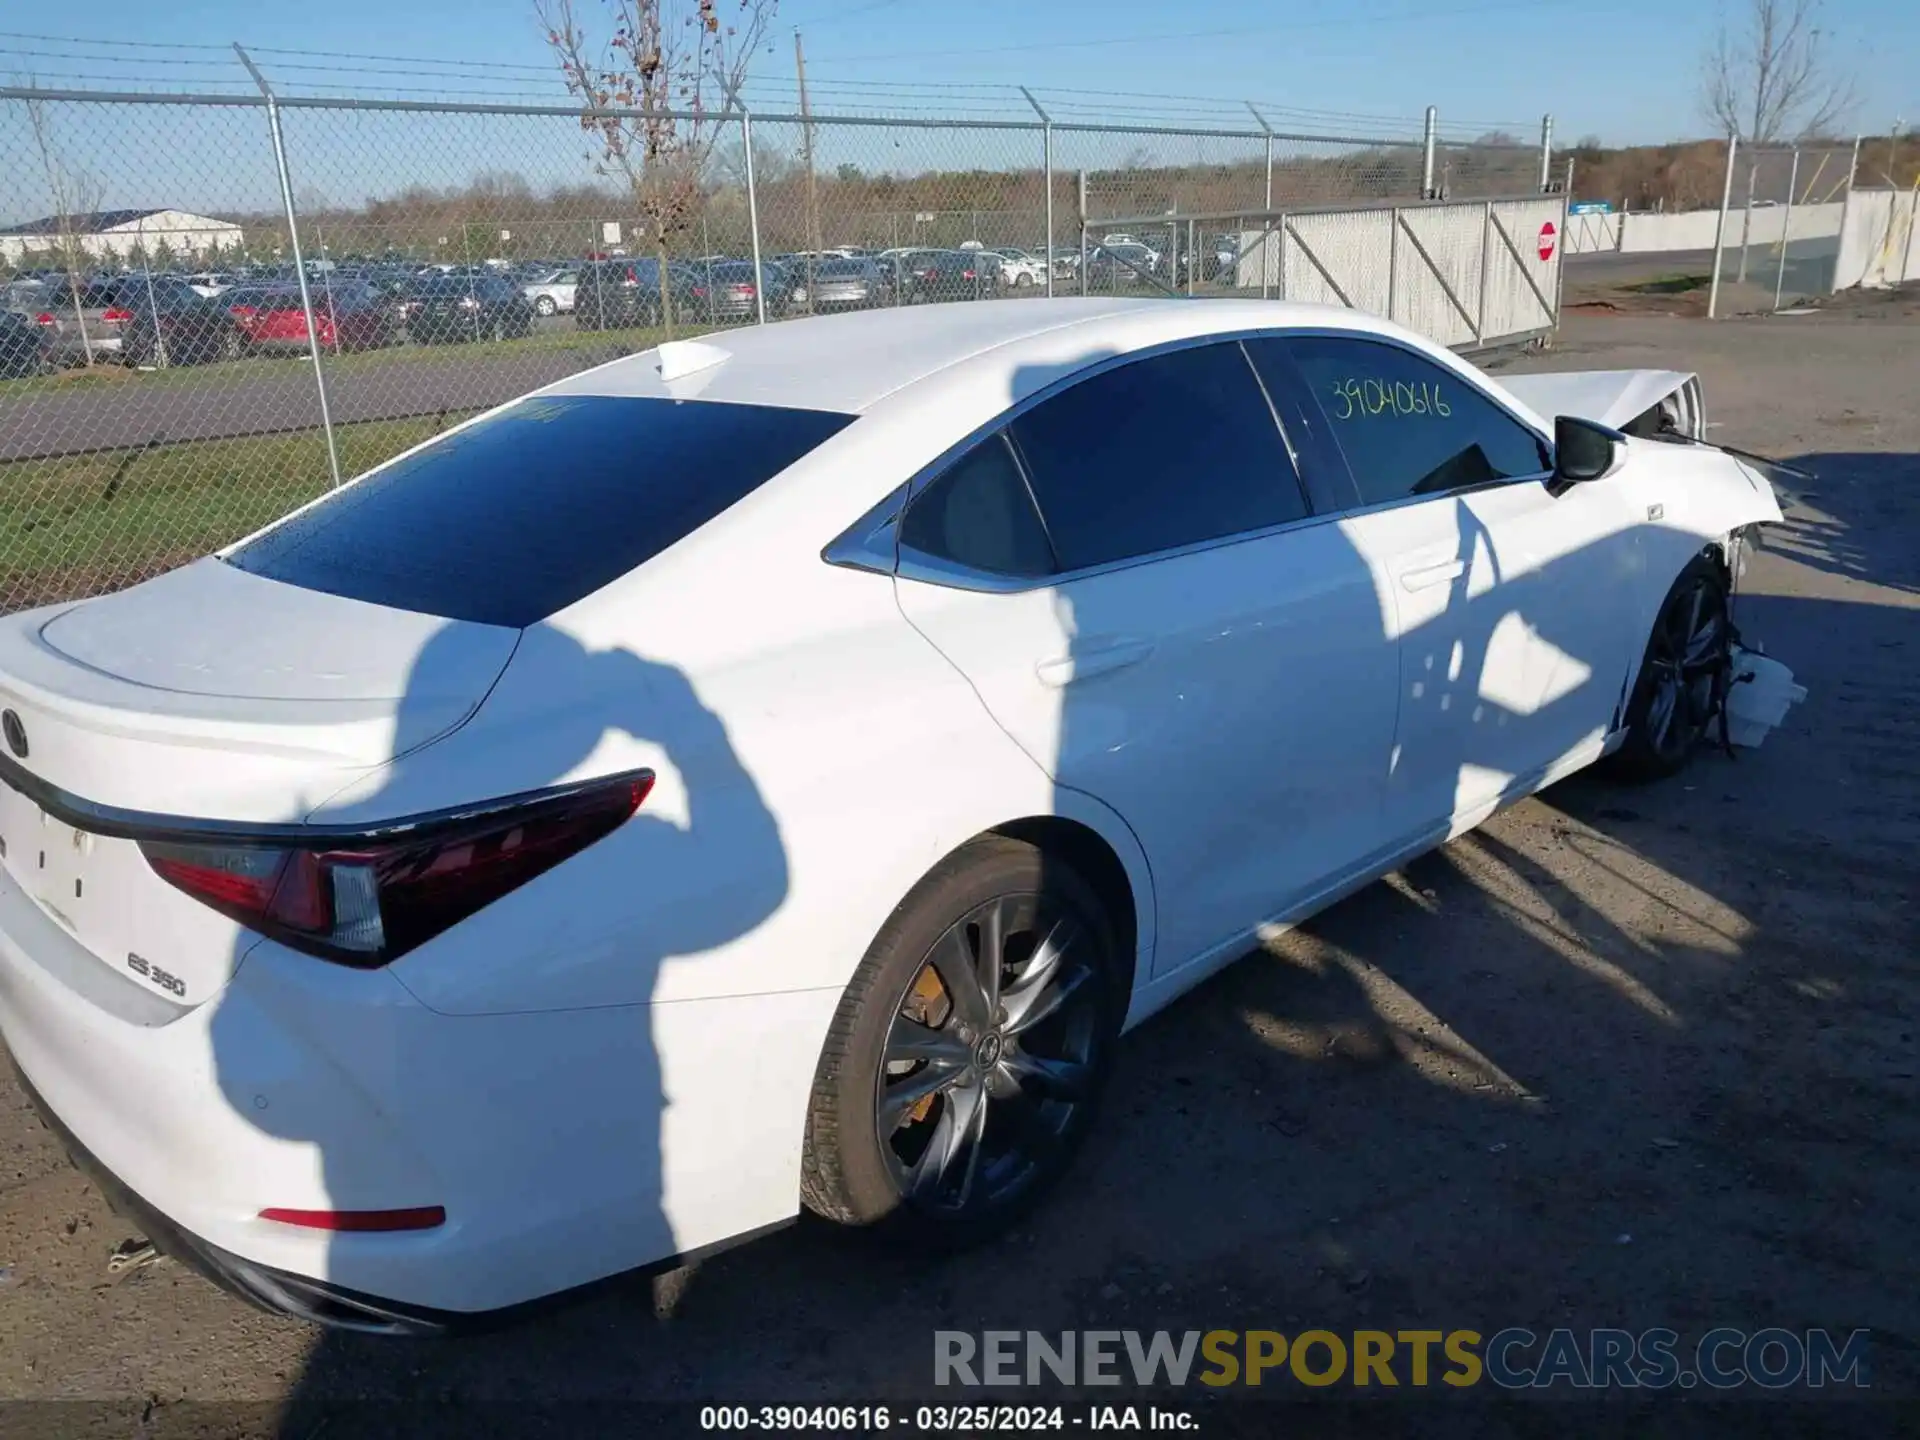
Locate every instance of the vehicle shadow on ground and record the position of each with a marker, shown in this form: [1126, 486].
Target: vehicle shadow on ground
[1841, 525]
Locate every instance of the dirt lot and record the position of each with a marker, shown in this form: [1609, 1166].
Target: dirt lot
[1623, 1058]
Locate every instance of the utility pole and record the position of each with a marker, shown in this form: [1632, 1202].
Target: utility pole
[806, 145]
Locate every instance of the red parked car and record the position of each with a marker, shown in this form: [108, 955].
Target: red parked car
[346, 317]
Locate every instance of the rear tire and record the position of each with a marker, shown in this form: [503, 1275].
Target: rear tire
[1673, 694]
[545, 306]
[943, 1108]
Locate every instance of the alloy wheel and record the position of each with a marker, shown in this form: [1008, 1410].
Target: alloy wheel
[990, 1057]
[1689, 645]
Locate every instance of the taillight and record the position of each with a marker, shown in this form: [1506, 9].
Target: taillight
[699, 292]
[44, 319]
[367, 899]
[632, 278]
[420, 1217]
[241, 312]
[116, 316]
[747, 290]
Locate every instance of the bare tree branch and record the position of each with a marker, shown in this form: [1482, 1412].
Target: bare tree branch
[656, 94]
[73, 193]
[1774, 78]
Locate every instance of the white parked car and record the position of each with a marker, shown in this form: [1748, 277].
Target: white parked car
[1019, 269]
[552, 294]
[774, 769]
[208, 283]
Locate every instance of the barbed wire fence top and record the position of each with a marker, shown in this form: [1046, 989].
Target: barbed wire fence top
[167, 385]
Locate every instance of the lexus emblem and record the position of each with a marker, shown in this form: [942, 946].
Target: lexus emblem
[16, 733]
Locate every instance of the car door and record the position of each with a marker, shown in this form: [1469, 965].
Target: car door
[1509, 597]
[1128, 575]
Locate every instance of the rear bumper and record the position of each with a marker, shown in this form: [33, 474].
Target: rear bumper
[566, 1147]
[278, 1292]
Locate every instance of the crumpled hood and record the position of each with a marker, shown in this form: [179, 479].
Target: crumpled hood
[1610, 397]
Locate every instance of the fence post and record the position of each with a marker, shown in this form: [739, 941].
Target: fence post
[1720, 230]
[1080, 205]
[1786, 230]
[1853, 166]
[1746, 225]
[1546, 152]
[1266, 241]
[1486, 254]
[1046, 174]
[1393, 262]
[1427, 149]
[753, 220]
[299, 264]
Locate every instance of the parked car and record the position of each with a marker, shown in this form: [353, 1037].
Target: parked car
[936, 275]
[608, 948]
[729, 291]
[84, 321]
[624, 294]
[853, 284]
[209, 283]
[1020, 269]
[465, 307]
[169, 324]
[551, 292]
[25, 346]
[347, 316]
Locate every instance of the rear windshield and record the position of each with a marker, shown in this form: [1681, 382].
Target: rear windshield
[525, 512]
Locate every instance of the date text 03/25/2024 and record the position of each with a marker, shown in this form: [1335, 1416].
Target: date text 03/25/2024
[940, 1419]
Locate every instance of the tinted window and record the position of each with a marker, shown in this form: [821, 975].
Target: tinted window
[1160, 453]
[1408, 426]
[521, 514]
[980, 515]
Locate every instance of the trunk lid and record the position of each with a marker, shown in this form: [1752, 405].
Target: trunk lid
[207, 694]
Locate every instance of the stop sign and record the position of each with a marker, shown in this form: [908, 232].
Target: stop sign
[1546, 240]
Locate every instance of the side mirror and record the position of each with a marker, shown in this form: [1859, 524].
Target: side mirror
[1584, 450]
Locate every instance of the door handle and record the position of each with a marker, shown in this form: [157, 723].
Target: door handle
[1096, 660]
[1430, 575]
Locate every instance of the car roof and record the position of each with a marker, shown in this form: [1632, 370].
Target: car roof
[875, 353]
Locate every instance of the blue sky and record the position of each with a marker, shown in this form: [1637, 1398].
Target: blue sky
[1626, 70]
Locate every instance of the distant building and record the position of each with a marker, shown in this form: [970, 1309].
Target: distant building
[118, 234]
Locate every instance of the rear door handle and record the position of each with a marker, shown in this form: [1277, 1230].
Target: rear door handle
[1096, 660]
[1430, 575]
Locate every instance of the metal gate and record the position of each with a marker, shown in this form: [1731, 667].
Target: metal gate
[1469, 274]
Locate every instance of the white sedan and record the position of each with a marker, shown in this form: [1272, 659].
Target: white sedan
[773, 770]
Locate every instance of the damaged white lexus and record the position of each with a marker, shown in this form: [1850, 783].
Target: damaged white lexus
[772, 771]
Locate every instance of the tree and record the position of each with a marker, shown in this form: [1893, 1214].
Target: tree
[1776, 77]
[653, 95]
[74, 194]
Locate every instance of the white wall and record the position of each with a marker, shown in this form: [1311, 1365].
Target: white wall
[1644, 231]
[1880, 242]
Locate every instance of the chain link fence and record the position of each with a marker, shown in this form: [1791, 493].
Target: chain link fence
[216, 307]
[1778, 231]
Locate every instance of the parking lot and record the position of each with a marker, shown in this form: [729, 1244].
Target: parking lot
[1624, 1057]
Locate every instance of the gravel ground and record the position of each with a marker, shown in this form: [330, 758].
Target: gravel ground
[1624, 1057]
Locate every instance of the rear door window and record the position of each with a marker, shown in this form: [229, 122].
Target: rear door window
[979, 514]
[527, 511]
[1156, 454]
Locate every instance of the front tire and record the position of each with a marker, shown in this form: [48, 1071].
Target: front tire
[1680, 676]
[546, 307]
[969, 1053]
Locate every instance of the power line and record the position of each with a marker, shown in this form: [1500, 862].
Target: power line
[1161, 37]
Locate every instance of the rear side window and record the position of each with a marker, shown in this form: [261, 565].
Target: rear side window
[524, 513]
[979, 514]
[1160, 453]
[1408, 426]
